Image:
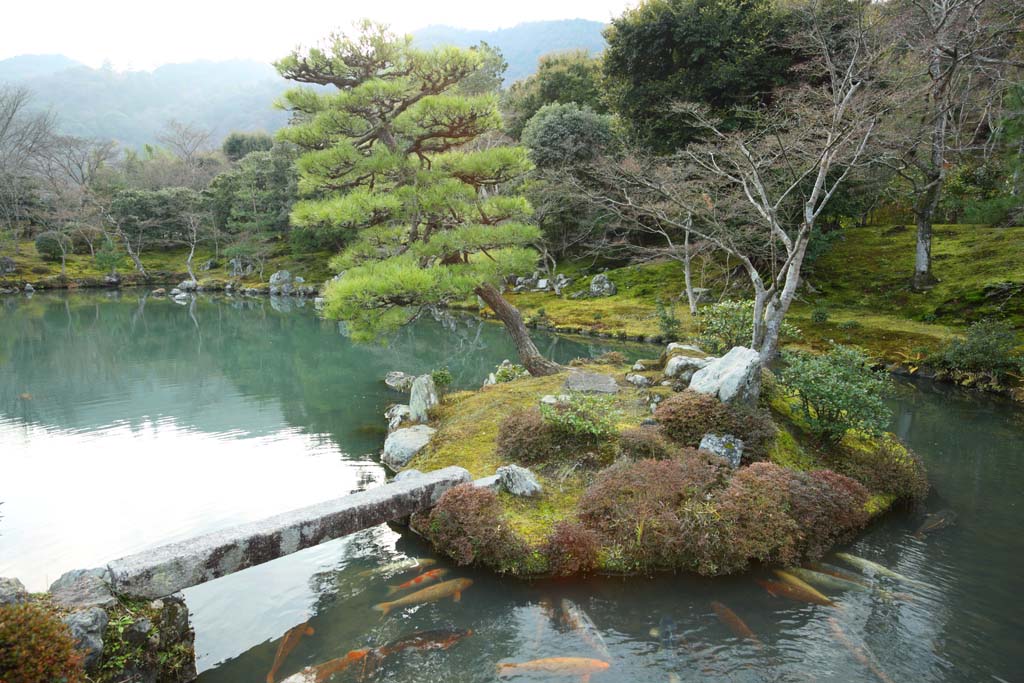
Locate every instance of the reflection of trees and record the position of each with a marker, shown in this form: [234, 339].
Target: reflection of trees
[90, 359]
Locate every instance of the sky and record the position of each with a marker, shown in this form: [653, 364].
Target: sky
[134, 34]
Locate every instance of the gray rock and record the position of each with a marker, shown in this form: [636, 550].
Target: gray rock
[733, 378]
[29, 288]
[240, 267]
[407, 474]
[299, 280]
[639, 366]
[12, 591]
[137, 633]
[399, 381]
[402, 445]
[188, 285]
[519, 481]
[422, 397]
[591, 383]
[638, 381]
[113, 280]
[492, 482]
[83, 588]
[209, 265]
[159, 291]
[7, 265]
[395, 415]
[318, 302]
[175, 292]
[549, 400]
[87, 626]
[542, 283]
[676, 347]
[724, 446]
[600, 285]
[280, 277]
[181, 298]
[684, 367]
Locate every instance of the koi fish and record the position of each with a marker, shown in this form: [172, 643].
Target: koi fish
[874, 567]
[545, 614]
[787, 590]
[579, 621]
[25, 397]
[559, 666]
[421, 580]
[735, 624]
[800, 584]
[862, 655]
[827, 580]
[832, 570]
[453, 588]
[935, 521]
[288, 643]
[438, 639]
[321, 672]
[400, 566]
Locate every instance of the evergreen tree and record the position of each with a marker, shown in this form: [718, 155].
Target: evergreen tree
[388, 159]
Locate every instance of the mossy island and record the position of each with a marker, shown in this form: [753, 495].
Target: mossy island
[640, 473]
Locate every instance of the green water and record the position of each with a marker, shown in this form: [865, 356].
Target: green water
[149, 421]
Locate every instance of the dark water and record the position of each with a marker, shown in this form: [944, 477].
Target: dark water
[149, 423]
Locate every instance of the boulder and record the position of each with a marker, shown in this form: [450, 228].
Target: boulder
[684, 367]
[591, 383]
[279, 278]
[318, 303]
[689, 349]
[733, 378]
[209, 264]
[519, 481]
[395, 415]
[402, 445]
[80, 588]
[188, 285]
[87, 627]
[159, 291]
[112, 280]
[638, 381]
[600, 285]
[7, 265]
[422, 397]
[724, 446]
[240, 267]
[29, 288]
[543, 283]
[175, 292]
[399, 381]
[12, 591]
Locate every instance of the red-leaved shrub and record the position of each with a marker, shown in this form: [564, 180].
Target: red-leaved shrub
[468, 525]
[647, 443]
[571, 549]
[828, 507]
[688, 415]
[524, 437]
[36, 647]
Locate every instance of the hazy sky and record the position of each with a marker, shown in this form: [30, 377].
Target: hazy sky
[142, 34]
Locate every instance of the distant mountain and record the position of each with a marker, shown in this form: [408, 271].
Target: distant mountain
[523, 44]
[132, 107]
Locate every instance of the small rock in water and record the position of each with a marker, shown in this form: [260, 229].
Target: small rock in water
[724, 446]
[399, 381]
[29, 288]
[402, 445]
[159, 291]
[395, 415]
[519, 481]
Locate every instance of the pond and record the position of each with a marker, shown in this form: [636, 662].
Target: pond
[128, 422]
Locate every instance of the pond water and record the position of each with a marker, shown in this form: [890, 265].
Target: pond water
[128, 422]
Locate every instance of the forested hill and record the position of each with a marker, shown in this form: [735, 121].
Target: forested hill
[132, 107]
[522, 44]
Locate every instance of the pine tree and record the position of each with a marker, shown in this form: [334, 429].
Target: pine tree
[389, 161]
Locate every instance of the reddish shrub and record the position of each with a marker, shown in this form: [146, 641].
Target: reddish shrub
[524, 437]
[754, 510]
[828, 507]
[687, 416]
[468, 525]
[36, 647]
[647, 443]
[571, 549]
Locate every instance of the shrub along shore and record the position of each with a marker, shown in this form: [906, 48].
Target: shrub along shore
[629, 491]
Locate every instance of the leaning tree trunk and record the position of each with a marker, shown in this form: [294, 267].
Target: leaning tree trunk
[688, 275]
[531, 358]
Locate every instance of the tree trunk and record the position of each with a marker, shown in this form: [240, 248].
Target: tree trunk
[778, 306]
[532, 360]
[126, 241]
[688, 276]
[188, 262]
[923, 278]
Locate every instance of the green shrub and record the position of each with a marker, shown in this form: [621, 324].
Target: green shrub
[52, 245]
[469, 526]
[837, 391]
[668, 322]
[989, 348]
[524, 437]
[509, 372]
[727, 324]
[647, 443]
[819, 314]
[611, 358]
[849, 325]
[883, 465]
[687, 416]
[586, 416]
[571, 549]
[442, 377]
[36, 647]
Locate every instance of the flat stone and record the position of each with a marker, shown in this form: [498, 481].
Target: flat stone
[492, 482]
[591, 383]
[724, 446]
[83, 588]
[733, 378]
[12, 591]
[519, 481]
[168, 569]
[403, 444]
[407, 474]
[87, 626]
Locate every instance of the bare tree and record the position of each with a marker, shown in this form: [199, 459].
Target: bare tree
[187, 142]
[953, 57]
[24, 136]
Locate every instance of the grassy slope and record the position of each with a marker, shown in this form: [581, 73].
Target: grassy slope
[166, 266]
[863, 278]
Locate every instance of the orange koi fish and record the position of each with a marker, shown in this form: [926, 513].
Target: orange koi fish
[862, 655]
[438, 639]
[452, 588]
[800, 584]
[785, 590]
[421, 580]
[288, 643]
[559, 666]
[321, 672]
[735, 624]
